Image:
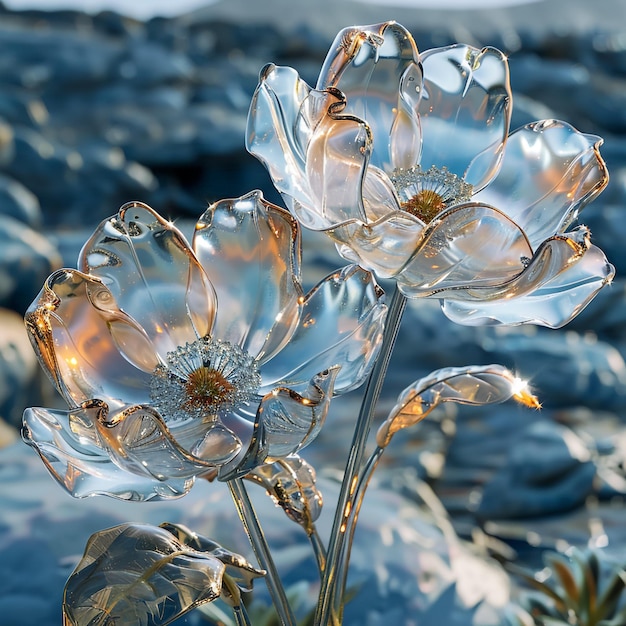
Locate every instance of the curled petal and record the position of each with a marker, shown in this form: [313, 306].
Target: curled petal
[465, 111]
[251, 251]
[563, 277]
[467, 246]
[154, 277]
[341, 324]
[140, 442]
[139, 574]
[378, 70]
[290, 482]
[286, 421]
[336, 160]
[475, 385]
[550, 171]
[78, 343]
[278, 133]
[68, 444]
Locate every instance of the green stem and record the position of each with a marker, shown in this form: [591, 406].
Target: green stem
[328, 595]
[251, 524]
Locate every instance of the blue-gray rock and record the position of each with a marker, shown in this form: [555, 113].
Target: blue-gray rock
[26, 260]
[18, 202]
[547, 471]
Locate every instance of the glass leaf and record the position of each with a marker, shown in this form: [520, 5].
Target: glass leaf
[377, 69]
[474, 384]
[468, 245]
[341, 324]
[250, 249]
[549, 172]
[68, 444]
[153, 276]
[291, 483]
[139, 574]
[465, 111]
[562, 278]
[71, 335]
[286, 421]
[237, 567]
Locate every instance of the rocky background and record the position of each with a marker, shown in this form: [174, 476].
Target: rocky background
[97, 110]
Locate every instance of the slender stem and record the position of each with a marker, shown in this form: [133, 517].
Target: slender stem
[359, 495]
[241, 615]
[251, 524]
[319, 550]
[325, 608]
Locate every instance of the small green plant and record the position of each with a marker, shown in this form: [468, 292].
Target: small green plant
[578, 588]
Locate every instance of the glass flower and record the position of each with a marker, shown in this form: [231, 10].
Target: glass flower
[162, 384]
[405, 160]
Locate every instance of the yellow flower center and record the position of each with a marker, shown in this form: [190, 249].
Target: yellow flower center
[426, 193]
[425, 204]
[205, 388]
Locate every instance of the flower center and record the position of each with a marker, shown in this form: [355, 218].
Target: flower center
[203, 378]
[426, 193]
[206, 387]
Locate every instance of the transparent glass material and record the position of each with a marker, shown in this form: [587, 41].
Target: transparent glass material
[162, 385]
[342, 153]
[291, 483]
[475, 384]
[141, 574]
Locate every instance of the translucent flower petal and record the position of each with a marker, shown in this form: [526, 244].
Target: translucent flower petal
[139, 574]
[154, 277]
[465, 111]
[286, 421]
[469, 245]
[140, 442]
[72, 338]
[278, 133]
[377, 69]
[563, 277]
[340, 325]
[336, 160]
[550, 171]
[67, 442]
[251, 251]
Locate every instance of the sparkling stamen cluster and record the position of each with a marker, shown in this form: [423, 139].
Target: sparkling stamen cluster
[425, 193]
[202, 378]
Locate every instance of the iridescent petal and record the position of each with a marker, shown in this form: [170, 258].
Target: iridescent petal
[72, 337]
[469, 245]
[465, 111]
[377, 69]
[154, 277]
[286, 421]
[341, 325]
[562, 278]
[278, 134]
[140, 442]
[550, 171]
[250, 249]
[336, 160]
[67, 444]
